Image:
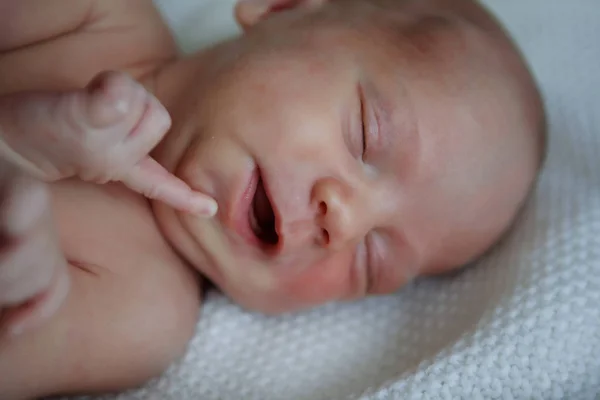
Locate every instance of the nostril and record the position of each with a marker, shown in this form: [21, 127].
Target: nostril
[284, 5]
[325, 236]
[322, 208]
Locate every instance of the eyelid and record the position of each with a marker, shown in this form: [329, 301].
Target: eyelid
[370, 260]
[370, 124]
[363, 122]
[375, 248]
[360, 267]
[363, 266]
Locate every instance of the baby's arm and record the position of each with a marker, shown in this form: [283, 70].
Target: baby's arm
[63, 44]
[131, 311]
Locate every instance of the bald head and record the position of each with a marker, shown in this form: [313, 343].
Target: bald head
[478, 108]
[382, 139]
[494, 100]
[480, 116]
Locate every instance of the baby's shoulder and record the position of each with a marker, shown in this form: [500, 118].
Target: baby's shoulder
[108, 226]
[131, 310]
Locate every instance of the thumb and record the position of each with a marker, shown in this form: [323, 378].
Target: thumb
[153, 181]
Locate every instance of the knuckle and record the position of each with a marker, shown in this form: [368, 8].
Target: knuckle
[97, 168]
[153, 192]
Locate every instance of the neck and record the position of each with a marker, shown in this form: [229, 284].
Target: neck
[175, 85]
[177, 77]
[179, 85]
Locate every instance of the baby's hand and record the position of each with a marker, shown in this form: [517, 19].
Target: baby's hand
[100, 134]
[34, 280]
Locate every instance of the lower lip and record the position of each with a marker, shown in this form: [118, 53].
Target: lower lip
[241, 220]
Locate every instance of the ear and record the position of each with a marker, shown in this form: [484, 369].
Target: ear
[249, 12]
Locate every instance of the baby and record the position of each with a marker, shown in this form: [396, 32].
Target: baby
[351, 145]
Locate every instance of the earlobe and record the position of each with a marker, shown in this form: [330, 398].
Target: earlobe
[249, 12]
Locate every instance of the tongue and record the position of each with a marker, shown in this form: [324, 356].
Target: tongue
[262, 209]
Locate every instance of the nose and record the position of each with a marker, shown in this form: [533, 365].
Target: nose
[343, 215]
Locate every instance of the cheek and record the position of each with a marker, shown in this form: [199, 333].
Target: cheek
[291, 127]
[329, 279]
[172, 229]
[302, 142]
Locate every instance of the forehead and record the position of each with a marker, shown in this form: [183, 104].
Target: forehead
[364, 28]
[344, 21]
[425, 37]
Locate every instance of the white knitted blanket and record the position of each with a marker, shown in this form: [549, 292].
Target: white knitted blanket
[522, 324]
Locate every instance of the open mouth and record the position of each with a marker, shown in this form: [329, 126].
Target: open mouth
[261, 217]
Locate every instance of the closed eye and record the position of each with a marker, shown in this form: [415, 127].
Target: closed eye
[364, 125]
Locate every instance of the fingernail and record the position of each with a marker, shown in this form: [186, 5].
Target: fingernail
[16, 330]
[165, 122]
[164, 118]
[122, 106]
[204, 207]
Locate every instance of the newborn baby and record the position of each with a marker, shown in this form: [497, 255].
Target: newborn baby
[351, 145]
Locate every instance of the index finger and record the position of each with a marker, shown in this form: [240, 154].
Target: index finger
[152, 180]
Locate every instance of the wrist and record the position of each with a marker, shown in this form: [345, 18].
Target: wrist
[11, 156]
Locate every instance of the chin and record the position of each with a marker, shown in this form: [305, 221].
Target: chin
[172, 229]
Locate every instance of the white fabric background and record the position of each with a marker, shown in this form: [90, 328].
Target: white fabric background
[523, 324]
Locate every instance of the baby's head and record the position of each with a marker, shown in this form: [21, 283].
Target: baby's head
[351, 145]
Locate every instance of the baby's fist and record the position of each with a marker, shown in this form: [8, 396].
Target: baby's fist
[34, 281]
[100, 134]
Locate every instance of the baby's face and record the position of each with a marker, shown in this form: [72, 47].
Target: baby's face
[342, 166]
